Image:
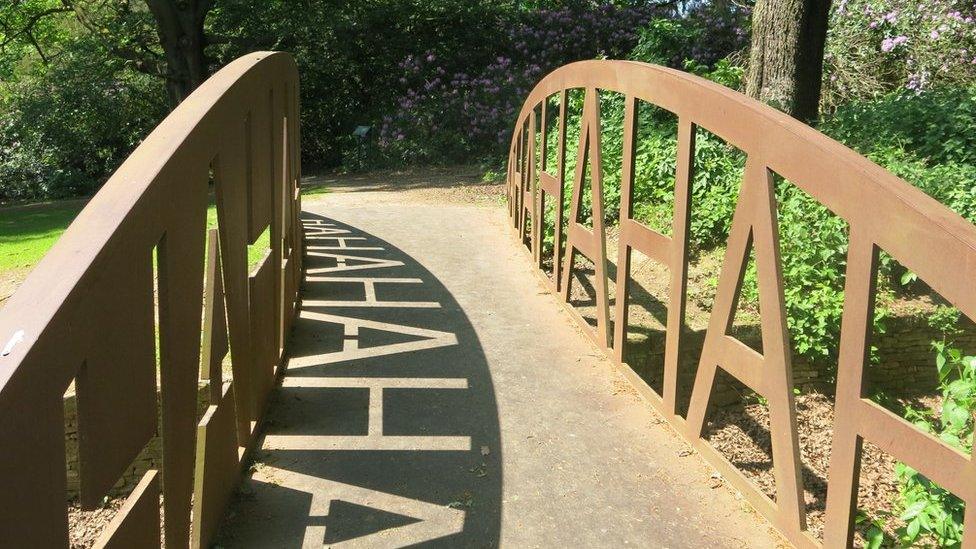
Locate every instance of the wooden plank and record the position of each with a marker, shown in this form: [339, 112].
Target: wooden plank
[116, 385]
[261, 286]
[290, 291]
[231, 171]
[754, 226]
[181, 275]
[622, 306]
[214, 346]
[647, 241]
[261, 159]
[137, 523]
[32, 469]
[279, 199]
[674, 345]
[592, 244]
[548, 183]
[217, 467]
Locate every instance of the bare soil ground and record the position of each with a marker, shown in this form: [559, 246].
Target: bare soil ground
[84, 527]
[9, 281]
[741, 434]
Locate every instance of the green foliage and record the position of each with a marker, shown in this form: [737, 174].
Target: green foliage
[724, 72]
[359, 66]
[935, 126]
[950, 183]
[945, 319]
[665, 41]
[27, 26]
[348, 53]
[813, 244]
[75, 99]
[930, 512]
[65, 126]
[874, 534]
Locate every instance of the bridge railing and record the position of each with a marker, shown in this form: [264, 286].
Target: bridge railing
[883, 213]
[127, 299]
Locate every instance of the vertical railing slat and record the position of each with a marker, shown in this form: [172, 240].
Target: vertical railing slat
[860, 286]
[622, 308]
[678, 287]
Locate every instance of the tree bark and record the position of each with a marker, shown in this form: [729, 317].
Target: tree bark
[786, 56]
[180, 27]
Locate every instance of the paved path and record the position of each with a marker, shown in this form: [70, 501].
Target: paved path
[457, 404]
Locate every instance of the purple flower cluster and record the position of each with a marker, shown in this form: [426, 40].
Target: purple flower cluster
[449, 107]
[889, 44]
[924, 43]
[725, 29]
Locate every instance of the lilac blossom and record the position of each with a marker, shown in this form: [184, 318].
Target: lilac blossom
[478, 105]
[889, 44]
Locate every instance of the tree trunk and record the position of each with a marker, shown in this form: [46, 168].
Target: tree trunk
[786, 57]
[180, 27]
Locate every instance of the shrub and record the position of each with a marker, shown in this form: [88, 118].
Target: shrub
[878, 46]
[936, 126]
[707, 35]
[65, 127]
[931, 513]
[348, 54]
[451, 110]
[665, 42]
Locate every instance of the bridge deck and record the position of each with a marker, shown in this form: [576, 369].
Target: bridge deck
[458, 402]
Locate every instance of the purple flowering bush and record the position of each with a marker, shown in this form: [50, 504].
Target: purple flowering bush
[880, 46]
[442, 116]
[451, 110]
[721, 28]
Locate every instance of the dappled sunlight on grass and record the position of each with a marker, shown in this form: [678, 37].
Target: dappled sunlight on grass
[28, 232]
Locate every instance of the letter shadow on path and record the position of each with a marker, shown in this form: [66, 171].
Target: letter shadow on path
[384, 431]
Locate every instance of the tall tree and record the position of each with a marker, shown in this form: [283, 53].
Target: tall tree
[786, 56]
[163, 38]
[180, 27]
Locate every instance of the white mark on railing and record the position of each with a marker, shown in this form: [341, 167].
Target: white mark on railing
[9, 347]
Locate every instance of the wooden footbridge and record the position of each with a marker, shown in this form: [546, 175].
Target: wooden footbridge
[391, 374]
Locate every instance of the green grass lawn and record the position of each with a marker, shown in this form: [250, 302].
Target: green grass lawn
[28, 232]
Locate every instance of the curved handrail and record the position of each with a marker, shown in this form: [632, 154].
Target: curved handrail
[86, 313]
[882, 210]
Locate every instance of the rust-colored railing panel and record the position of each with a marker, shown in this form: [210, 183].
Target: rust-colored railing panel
[87, 314]
[923, 235]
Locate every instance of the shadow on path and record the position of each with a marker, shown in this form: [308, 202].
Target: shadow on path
[385, 430]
